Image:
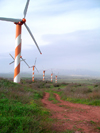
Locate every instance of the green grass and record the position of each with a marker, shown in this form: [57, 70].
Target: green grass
[18, 117]
[68, 131]
[98, 128]
[55, 89]
[94, 102]
[88, 101]
[90, 86]
[52, 98]
[21, 109]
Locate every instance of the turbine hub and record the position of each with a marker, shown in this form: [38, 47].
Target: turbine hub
[23, 20]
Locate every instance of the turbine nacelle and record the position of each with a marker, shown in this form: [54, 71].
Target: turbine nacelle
[35, 65]
[32, 66]
[21, 22]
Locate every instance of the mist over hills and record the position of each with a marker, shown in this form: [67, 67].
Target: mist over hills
[80, 72]
[59, 72]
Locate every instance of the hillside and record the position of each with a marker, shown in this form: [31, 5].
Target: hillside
[22, 108]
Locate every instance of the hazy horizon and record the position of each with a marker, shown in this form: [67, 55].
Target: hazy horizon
[67, 32]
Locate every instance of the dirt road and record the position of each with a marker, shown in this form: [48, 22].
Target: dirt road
[77, 117]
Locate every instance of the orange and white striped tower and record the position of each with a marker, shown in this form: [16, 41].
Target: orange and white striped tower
[17, 53]
[18, 50]
[51, 76]
[33, 74]
[55, 79]
[43, 74]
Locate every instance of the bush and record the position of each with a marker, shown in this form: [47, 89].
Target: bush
[87, 90]
[94, 95]
[96, 89]
[63, 83]
[95, 85]
[48, 85]
[56, 85]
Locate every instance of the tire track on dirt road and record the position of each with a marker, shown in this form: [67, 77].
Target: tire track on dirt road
[73, 116]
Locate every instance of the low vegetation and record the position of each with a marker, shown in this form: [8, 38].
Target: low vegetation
[79, 93]
[21, 109]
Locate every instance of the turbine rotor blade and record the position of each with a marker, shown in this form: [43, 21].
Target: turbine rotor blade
[10, 19]
[23, 59]
[35, 62]
[37, 70]
[12, 56]
[25, 62]
[11, 62]
[26, 7]
[32, 37]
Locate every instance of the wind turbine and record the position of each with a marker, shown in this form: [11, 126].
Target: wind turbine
[34, 67]
[20, 60]
[43, 74]
[56, 79]
[19, 23]
[51, 75]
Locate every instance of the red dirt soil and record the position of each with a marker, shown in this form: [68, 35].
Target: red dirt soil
[70, 116]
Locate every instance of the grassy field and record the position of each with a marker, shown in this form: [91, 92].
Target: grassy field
[78, 93]
[21, 109]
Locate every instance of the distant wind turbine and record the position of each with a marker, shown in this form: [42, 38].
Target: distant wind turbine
[34, 67]
[43, 74]
[19, 23]
[51, 76]
[56, 79]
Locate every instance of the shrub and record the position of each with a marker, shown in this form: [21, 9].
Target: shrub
[94, 95]
[56, 85]
[95, 85]
[72, 90]
[29, 81]
[87, 90]
[48, 85]
[96, 89]
[65, 83]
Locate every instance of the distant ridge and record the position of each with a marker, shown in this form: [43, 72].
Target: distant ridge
[62, 72]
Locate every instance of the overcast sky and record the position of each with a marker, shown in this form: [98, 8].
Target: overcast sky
[67, 32]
